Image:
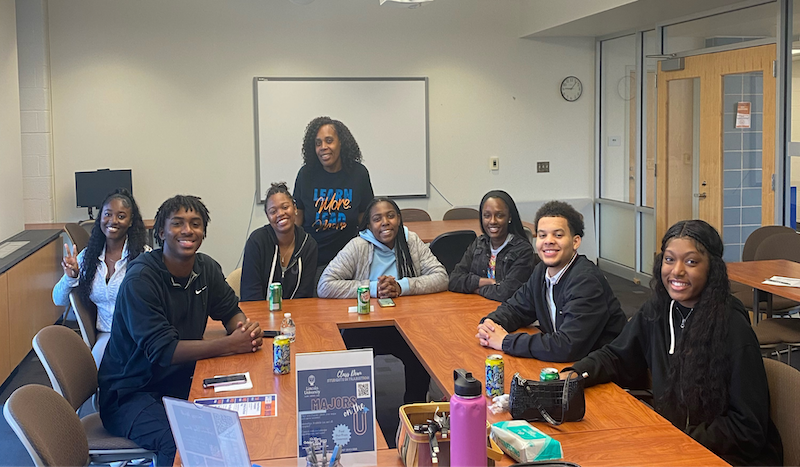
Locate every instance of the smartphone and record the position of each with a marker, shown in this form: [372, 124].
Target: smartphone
[268, 333]
[385, 302]
[223, 381]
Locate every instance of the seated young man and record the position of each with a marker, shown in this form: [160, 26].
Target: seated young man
[162, 308]
[567, 293]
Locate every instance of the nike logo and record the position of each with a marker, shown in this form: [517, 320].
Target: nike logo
[197, 292]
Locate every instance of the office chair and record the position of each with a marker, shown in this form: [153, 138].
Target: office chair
[774, 332]
[71, 368]
[234, 279]
[461, 213]
[784, 383]
[414, 215]
[754, 240]
[86, 317]
[87, 225]
[47, 426]
[77, 235]
[449, 247]
[776, 246]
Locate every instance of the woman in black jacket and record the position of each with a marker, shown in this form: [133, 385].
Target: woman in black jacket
[502, 259]
[695, 341]
[279, 252]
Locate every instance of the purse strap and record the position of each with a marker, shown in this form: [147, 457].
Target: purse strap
[564, 402]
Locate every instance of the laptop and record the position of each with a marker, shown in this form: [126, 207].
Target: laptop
[206, 436]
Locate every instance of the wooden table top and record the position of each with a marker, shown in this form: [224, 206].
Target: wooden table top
[753, 273]
[428, 230]
[440, 328]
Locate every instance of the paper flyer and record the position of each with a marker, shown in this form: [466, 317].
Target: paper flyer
[336, 403]
[265, 405]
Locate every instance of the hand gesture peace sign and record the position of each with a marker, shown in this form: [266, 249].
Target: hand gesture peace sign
[70, 262]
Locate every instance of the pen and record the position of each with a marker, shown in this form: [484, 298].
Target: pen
[334, 456]
[779, 282]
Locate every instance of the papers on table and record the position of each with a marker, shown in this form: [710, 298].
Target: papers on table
[10, 247]
[265, 405]
[782, 281]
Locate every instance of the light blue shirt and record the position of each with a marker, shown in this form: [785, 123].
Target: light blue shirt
[384, 263]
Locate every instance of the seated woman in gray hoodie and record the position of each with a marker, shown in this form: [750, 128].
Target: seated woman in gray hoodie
[392, 261]
[390, 264]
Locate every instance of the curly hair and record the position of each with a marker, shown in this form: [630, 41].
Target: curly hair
[350, 153]
[565, 210]
[405, 265]
[137, 239]
[698, 374]
[173, 205]
[515, 225]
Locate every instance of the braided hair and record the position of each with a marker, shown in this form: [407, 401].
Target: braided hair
[175, 204]
[137, 239]
[697, 380]
[349, 153]
[405, 266]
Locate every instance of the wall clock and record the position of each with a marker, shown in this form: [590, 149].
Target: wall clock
[571, 89]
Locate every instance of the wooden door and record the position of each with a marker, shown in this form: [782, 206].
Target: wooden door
[696, 131]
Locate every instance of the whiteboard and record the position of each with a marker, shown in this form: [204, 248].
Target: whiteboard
[387, 116]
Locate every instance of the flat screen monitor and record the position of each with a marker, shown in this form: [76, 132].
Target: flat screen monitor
[91, 188]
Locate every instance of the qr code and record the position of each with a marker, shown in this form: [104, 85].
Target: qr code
[362, 390]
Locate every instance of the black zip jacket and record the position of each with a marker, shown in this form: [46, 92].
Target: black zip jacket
[262, 265]
[744, 433]
[153, 312]
[513, 267]
[588, 314]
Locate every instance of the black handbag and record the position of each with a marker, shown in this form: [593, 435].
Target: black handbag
[554, 402]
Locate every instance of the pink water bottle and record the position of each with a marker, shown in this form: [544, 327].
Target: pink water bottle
[467, 422]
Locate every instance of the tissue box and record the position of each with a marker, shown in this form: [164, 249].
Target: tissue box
[520, 440]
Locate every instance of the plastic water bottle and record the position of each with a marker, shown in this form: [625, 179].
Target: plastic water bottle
[287, 326]
[467, 422]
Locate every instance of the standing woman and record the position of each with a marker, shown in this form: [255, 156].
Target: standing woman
[332, 189]
[696, 341]
[281, 251]
[118, 236]
[499, 261]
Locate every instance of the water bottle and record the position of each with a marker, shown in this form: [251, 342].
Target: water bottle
[467, 422]
[288, 328]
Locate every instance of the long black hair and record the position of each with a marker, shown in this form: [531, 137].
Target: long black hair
[350, 153]
[137, 239]
[173, 205]
[405, 266]
[515, 224]
[697, 381]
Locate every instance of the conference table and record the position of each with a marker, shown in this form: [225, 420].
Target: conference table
[440, 328]
[428, 230]
[754, 273]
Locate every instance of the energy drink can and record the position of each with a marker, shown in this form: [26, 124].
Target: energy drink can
[548, 374]
[275, 296]
[281, 355]
[363, 300]
[495, 375]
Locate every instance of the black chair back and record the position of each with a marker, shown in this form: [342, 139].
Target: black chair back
[449, 247]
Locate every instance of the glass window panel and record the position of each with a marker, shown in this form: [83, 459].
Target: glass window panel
[648, 241]
[794, 119]
[649, 112]
[618, 119]
[617, 242]
[747, 24]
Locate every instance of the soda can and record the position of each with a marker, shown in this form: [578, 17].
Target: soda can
[495, 375]
[363, 300]
[281, 355]
[548, 374]
[275, 296]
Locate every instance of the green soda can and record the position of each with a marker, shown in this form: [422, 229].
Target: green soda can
[363, 300]
[275, 296]
[281, 355]
[495, 375]
[548, 374]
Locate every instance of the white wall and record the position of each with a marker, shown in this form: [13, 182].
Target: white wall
[11, 214]
[34, 90]
[165, 88]
[540, 15]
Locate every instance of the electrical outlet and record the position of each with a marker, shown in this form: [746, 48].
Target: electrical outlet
[543, 167]
[494, 163]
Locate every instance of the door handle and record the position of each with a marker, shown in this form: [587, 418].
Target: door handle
[702, 195]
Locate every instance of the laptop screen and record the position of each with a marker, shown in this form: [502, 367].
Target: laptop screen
[206, 436]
